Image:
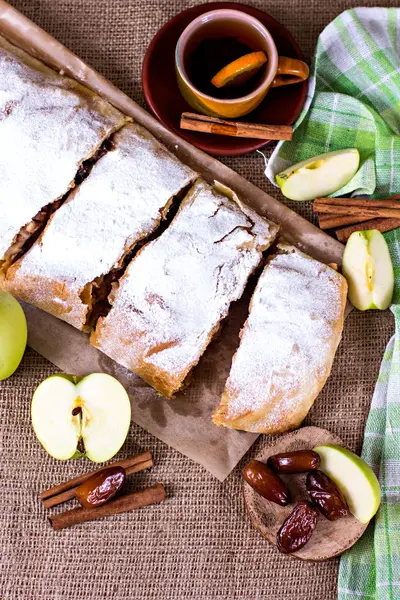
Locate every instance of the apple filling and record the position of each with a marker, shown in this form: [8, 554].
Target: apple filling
[96, 295]
[29, 233]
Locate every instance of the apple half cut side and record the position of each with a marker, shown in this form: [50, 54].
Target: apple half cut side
[368, 269]
[95, 410]
[355, 479]
[319, 176]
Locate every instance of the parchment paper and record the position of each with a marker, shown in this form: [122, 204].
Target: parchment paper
[183, 423]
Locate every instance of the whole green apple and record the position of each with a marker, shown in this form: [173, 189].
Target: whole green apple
[13, 335]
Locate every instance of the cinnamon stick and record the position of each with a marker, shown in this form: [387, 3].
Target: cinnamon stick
[381, 225]
[392, 202]
[125, 503]
[205, 124]
[333, 221]
[69, 494]
[361, 212]
[125, 463]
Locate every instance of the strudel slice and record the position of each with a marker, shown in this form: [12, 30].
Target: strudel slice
[287, 345]
[69, 271]
[179, 287]
[49, 125]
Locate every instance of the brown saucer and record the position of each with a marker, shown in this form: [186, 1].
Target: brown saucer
[330, 538]
[281, 106]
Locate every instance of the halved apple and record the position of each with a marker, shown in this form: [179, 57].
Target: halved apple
[355, 479]
[319, 176]
[368, 269]
[95, 410]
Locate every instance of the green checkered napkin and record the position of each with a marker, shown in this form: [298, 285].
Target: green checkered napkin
[354, 101]
[371, 568]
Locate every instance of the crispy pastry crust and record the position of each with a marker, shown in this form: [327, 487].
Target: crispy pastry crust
[287, 347]
[123, 200]
[179, 287]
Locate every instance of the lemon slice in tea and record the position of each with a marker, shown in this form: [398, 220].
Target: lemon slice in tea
[240, 70]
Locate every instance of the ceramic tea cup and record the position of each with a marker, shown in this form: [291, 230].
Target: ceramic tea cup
[222, 23]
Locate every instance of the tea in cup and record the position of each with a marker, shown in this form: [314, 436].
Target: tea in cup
[217, 38]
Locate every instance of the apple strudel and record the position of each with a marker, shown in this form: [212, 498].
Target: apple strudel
[49, 125]
[70, 270]
[175, 292]
[287, 345]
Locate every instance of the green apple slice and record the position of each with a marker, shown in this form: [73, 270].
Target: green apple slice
[368, 269]
[319, 176]
[95, 410]
[355, 479]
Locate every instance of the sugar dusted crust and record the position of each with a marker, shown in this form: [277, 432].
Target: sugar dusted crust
[123, 200]
[287, 346]
[179, 287]
[49, 124]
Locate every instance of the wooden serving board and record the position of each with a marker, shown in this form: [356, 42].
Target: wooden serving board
[330, 538]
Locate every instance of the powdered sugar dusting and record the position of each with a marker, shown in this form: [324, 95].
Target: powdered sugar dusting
[48, 125]
[287, 345]
[115, 207]
[180, 286]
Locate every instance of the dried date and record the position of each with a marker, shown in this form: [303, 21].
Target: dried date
[100, 487]
[299, 461]
[324, 493]
[298, 527]
[266, 483]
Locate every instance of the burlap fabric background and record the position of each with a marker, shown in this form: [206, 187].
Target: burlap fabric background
[199, 544]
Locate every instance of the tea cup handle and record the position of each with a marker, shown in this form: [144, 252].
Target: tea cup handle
[290, 70]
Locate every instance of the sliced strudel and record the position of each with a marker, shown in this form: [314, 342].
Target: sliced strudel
[49, 125]
[287, 345]
[70, 270]
[179, 287]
